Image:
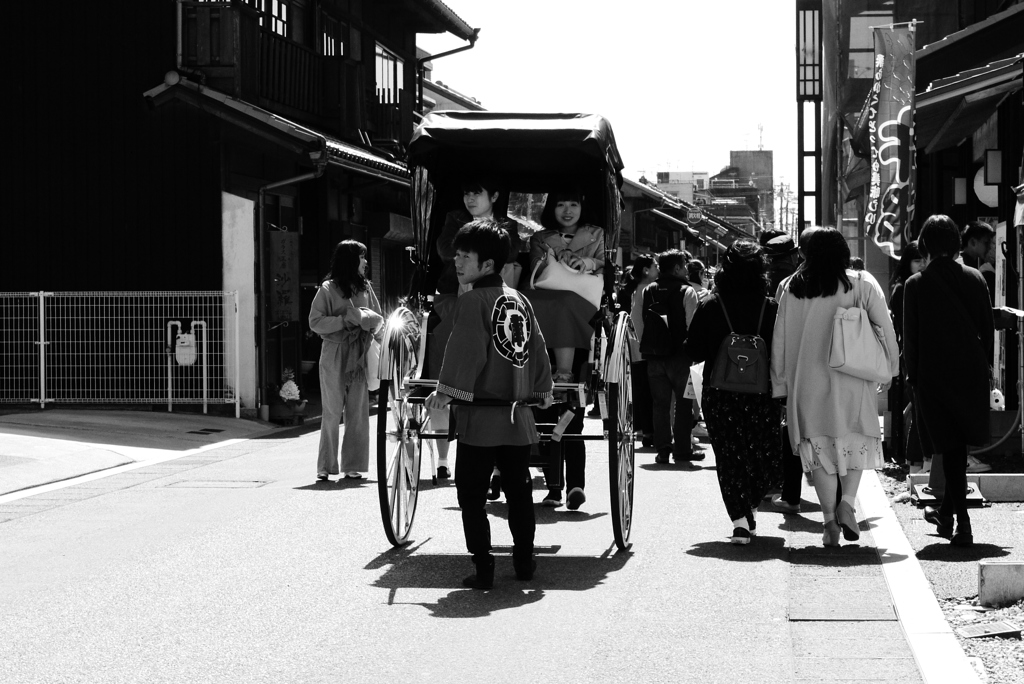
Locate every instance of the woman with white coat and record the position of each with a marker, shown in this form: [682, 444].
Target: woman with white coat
[832, 416]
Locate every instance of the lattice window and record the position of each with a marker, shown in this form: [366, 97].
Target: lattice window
[277, 13]
[332, 36]
[390, 75]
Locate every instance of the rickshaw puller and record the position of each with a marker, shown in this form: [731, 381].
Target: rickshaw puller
[496, 351]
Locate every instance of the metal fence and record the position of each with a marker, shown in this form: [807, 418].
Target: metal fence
[119, 348]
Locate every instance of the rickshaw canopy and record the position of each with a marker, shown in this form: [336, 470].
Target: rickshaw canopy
[532, 151]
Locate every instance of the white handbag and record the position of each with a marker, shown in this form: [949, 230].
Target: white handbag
[558, 276]
[858, 346]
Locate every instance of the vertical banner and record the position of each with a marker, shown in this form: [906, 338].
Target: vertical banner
[890, 128]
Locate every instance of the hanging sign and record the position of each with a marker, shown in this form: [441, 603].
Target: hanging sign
[888, 121]
[283, 276]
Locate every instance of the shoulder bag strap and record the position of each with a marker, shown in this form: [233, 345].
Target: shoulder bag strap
[760, 318]
[721, 302]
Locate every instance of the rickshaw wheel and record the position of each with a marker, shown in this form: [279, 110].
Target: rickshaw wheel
[398, 442]
[621, 462]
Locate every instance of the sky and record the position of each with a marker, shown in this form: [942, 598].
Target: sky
[682, 82]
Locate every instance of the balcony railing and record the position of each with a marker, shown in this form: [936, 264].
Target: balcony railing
[240, 58]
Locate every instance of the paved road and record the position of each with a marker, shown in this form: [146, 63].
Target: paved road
[233, 565]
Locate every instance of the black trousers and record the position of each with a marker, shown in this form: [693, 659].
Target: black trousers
[792, 471]
[473, 467]
[954, 468]
[574, 452]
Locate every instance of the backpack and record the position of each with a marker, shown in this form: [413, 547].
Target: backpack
[657, 337]
[742, 363]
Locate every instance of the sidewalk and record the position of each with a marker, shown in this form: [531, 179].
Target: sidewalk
[862, 612]
[45, 446]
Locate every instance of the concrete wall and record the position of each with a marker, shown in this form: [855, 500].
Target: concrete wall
[239, 250]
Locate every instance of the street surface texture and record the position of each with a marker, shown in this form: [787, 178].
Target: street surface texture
[953, 573]
[234, 565]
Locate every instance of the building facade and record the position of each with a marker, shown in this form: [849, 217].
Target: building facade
[198, 143]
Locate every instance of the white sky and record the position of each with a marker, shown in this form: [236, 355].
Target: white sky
[682, 82]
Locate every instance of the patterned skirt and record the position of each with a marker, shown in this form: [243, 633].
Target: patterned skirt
[745, 434]
[839, 454]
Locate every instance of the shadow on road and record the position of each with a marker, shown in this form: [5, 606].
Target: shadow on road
[545, 515]
[335, 485]
[759, 550]
[960, 554]
[410, 570]
[468, 603]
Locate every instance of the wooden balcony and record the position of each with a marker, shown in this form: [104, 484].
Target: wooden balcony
[240, 58]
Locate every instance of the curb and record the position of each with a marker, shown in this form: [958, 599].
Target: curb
[935, 648]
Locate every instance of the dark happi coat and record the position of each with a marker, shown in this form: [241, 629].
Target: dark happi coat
[496, 351]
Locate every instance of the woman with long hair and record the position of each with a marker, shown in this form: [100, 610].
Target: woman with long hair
[743, 428]
[642, 273]
[832, 416]
[911, 262]
[948, 335]
[346, 314]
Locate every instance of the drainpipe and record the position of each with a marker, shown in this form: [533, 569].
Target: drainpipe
[421, 62]
[319, 158]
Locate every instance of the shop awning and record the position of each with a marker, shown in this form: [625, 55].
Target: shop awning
[311, 146]
[1001, 36]
[677, 223]
[952, 108]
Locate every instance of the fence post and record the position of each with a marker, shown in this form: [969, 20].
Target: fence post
[238, 365]
[42, 349]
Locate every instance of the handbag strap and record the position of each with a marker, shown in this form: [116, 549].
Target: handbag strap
[760, 318]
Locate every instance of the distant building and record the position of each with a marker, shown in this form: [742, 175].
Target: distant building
[438, 96]
[682, 184]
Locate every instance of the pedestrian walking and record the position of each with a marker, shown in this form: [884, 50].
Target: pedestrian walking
[669, 304]
[948, 335]
[743, 427]
[832, 416]
[643, 272]
[901, 396]
[346, 314]
[783, 259]
[496, 352]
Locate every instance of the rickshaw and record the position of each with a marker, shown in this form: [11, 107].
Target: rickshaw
[527, 153]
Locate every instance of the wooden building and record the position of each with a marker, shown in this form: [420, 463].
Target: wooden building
[192, 145]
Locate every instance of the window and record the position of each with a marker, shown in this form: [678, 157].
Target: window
[332, 36]
[277, 11]
[390, 76]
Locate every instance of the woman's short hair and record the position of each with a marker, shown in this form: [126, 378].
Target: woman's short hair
[694, 270]
[487, 239]
[939, 237]
[911, 253]
[826, 258]
[547, 215]
[743, 269]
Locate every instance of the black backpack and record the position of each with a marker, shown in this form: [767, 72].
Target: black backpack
[743, 362]
[657, 337]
